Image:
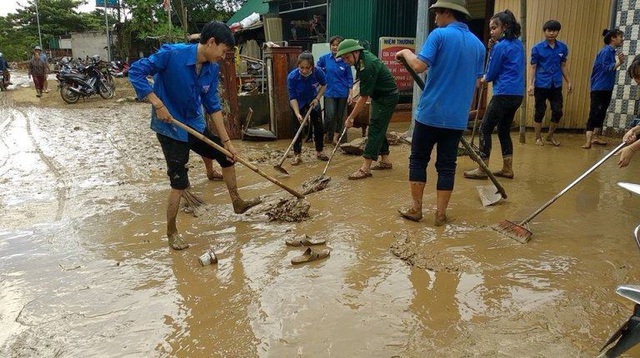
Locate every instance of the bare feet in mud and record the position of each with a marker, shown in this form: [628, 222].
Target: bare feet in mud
[177, 242]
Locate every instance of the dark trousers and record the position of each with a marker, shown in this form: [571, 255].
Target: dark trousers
[315, 119]
[334, 109]
[176, 154]
[600, 101]
[500, 113]
[422, 143]
[554, 96]
[38, 82]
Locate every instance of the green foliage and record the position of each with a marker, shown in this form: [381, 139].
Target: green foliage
[142, 19]
[19, 32]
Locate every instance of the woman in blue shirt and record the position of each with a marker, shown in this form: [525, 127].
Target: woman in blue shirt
[506, 69]
[603, 77]
[338, 94]
[306, 85]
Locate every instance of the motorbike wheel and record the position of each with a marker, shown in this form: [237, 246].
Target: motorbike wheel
[106, 91]
[68, 95]
[110, 80]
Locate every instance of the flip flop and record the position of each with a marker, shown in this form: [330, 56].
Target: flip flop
[310, 255]
[359, 174]
[304, 240]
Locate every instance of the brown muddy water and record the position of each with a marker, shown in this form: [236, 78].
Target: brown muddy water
[85, 269]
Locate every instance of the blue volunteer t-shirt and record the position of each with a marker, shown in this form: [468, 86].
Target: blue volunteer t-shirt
[506, 68]
[455, 58]
[304, 89]
[548, 61]
[338, 74]
[603, 75]
[181, 90]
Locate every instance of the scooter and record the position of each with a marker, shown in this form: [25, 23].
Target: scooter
[628, 335]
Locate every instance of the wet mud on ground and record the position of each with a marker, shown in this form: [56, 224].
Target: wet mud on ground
[85, 269]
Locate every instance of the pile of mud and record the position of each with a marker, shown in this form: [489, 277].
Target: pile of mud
[410, 252]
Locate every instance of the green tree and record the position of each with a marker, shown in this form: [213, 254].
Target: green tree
[57, 18]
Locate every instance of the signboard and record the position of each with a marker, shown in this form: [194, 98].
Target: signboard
[389, 46]
[110, 3]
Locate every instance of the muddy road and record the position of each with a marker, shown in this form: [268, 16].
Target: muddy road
[85, 269]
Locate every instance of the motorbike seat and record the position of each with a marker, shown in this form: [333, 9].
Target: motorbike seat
[630, 292]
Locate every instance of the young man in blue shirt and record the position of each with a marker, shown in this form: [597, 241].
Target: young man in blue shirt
[548, 68]
[603, 77]
[186, 79]
[443, 112]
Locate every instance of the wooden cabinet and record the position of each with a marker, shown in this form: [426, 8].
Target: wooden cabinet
[279, 62]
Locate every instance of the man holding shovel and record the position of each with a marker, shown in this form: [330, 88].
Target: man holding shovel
[443, 111]
[377, 83]
[185, 79]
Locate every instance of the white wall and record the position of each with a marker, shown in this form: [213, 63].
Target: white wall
[89, 44]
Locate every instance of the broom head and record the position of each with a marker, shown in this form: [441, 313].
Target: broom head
[513, 230]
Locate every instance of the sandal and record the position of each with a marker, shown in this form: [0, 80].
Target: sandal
[553, 141]
[411, 214]
[310, 255]
[304, 240]
[598, 142]
[322, 156]
[297, 160]
[360, 174]
[214, 175]
[382, 166]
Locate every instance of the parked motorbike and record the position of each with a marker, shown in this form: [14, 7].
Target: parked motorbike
[84, 82]
[628, 335]
[119, 69]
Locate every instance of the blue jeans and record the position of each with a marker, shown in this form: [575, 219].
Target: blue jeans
[424, 139]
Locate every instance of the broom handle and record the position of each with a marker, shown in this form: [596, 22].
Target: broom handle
[334, 151]
[304, 121]
[239, 159]
[470, 150]
[546, 205]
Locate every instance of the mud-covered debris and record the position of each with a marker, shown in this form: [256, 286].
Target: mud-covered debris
[355, 147]
[315, 184]
[409, 251]
[278, 208]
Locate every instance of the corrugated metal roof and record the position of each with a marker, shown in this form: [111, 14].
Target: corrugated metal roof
[259, 6]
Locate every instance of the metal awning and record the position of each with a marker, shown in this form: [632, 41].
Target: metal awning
[251, 6]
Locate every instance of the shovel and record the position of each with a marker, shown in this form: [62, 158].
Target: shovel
[320, 182]
[519, 232]
[278, 166]
[488, 195]
[228, 154]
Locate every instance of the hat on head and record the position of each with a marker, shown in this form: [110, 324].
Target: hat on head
[37, 48]
[457, 5]
[347, 46]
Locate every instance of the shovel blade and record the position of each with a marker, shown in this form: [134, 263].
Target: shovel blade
[281, 169]
[489, 195]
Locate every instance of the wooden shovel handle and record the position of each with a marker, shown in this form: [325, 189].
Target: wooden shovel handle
[237, 158]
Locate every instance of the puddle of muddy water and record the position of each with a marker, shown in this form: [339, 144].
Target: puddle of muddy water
[85, 269]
